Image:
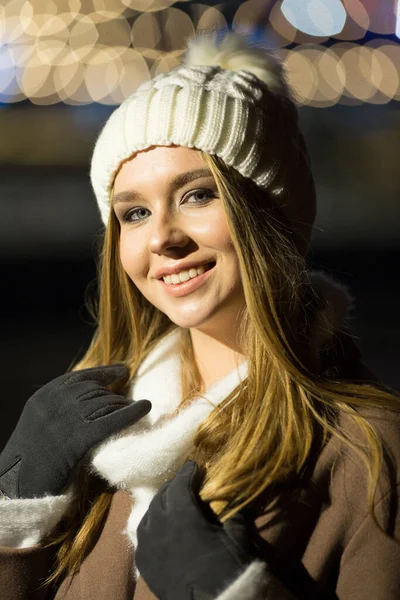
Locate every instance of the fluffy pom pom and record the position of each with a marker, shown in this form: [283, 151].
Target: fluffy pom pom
[234, 52]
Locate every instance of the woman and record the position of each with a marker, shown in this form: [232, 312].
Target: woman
[252, 455]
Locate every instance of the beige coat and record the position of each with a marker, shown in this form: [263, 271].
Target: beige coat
[326, 528]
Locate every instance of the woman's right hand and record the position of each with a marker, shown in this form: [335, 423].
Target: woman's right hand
[59, 424]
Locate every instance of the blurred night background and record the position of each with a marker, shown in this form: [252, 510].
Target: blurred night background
[64, 67]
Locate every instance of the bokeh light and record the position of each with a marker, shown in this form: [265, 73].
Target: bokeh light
[248, 15]
[83, 36]
[391, 77]
[382, 15]
[211, 19]
[357, 22]
[32, 78]
[106, 10]
[115, 33]
[315, 17]
[285, 33]
[177, 28]
[146, 31]
[166, 62]
[331, 77]
[357, 62]
[302, 75]
[134, 71]
[7, 68]
[388, 83]
[148, 5]
[79, 51]
[102, 75]
[68, 77]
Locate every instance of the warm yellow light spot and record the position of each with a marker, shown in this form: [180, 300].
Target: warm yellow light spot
[33, 77]
[178, 27]
[49, 51]
[134, 72]
[389, 81]
[357, 64]
[302, 76]
[389, 67]
[21, 53]
[7, 70]
[150, 53]
[13, 8]
[248, 15]
[148, 5]
[211, 19]
[10, 29]
[166, 62]
[106, 10]
[102, 74]
[392, 51]
[145, 31]
[83, 36]
[67, 78]
[101, 55]
[331, 79]
[47, 93]
[114, 33]
[285, 33]
[357, 21]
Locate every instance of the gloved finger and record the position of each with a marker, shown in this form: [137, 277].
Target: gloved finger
[122, 416]
[182, 493]
[105, 374]
[101, 405]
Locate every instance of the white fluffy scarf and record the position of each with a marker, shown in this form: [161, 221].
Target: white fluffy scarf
[145, 455]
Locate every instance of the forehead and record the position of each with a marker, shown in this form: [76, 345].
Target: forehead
[157, 164]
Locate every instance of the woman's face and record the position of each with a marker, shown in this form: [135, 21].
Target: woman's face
[167, 225]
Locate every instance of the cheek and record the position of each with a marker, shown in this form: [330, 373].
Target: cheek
[132, 262]
[220, 234]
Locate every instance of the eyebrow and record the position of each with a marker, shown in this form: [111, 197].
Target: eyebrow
[178, 182]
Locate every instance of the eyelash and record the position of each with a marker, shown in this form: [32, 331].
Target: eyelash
[127, 216]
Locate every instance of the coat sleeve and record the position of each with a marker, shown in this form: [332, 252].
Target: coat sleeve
[370, 564]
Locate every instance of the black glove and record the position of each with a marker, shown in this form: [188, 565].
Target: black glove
[59, 424]
[183, 551]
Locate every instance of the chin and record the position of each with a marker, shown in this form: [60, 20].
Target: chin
[188, 323]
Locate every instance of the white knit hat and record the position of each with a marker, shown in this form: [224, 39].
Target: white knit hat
[229, 99]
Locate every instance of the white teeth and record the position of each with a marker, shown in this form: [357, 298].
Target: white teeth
[184, 275]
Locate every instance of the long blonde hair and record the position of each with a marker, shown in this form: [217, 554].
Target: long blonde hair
[263, 433]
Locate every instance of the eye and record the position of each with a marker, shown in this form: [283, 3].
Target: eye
[207, 193]
[135, 215]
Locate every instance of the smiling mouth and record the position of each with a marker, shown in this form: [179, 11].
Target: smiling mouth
[204, 268]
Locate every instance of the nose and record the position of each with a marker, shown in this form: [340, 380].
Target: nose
[167, 232]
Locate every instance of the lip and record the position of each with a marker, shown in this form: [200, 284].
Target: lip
[187, 287]
[179, 267]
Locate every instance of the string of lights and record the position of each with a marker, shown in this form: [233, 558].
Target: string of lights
[101, 50]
